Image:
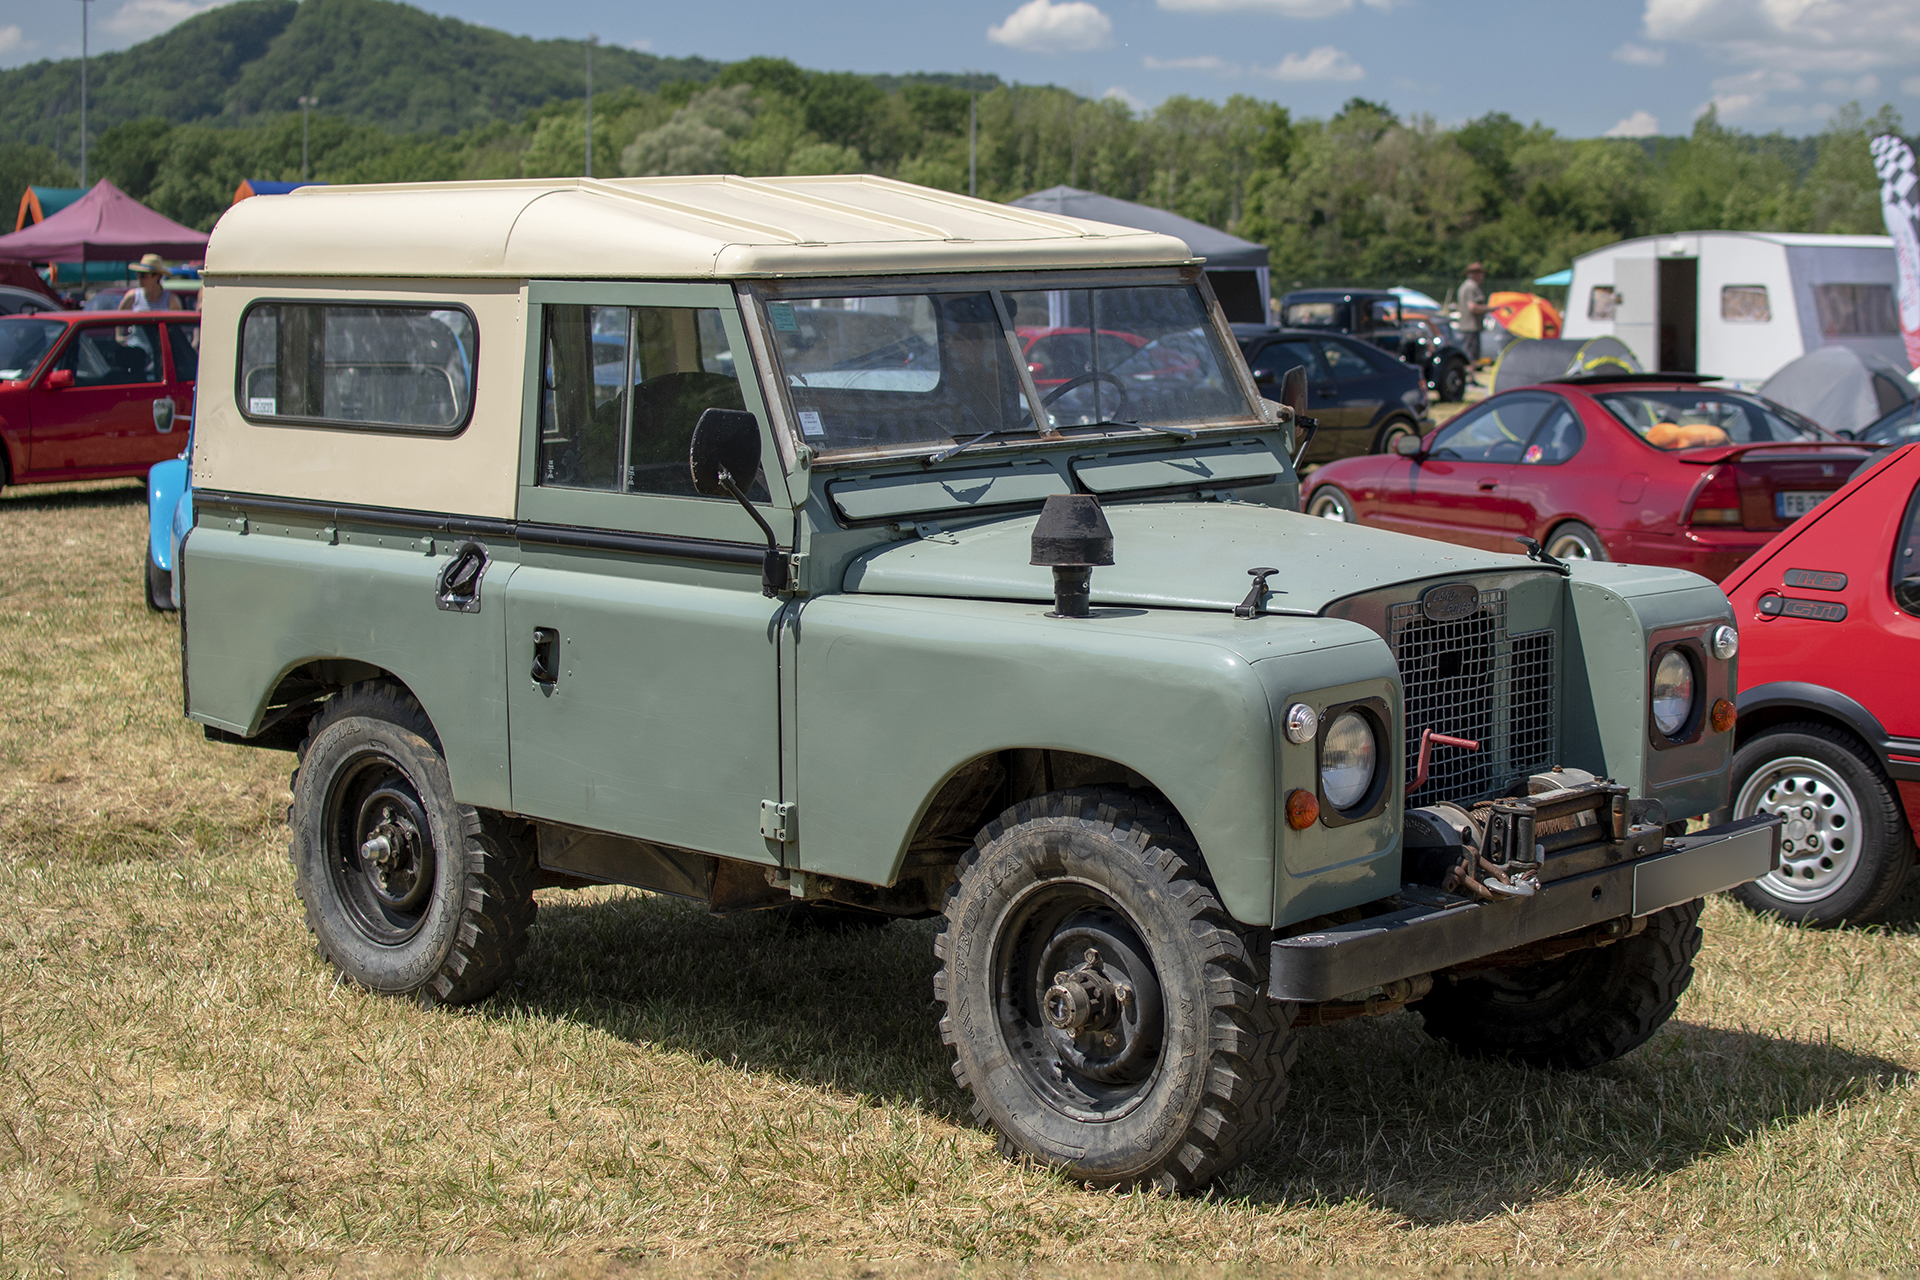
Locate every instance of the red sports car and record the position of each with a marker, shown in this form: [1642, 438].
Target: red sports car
[87, 395]
[1660, 469]
[1829, 728]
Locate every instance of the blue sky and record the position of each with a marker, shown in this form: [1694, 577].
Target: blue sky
[1623, 66]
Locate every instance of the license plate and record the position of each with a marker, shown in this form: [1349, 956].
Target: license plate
[1796, 503]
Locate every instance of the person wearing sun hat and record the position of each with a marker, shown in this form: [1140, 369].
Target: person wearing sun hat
[148, 295]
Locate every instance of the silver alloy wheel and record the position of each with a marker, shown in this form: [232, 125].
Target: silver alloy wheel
[1331, 504]
[1570, 546]
[1819, 841]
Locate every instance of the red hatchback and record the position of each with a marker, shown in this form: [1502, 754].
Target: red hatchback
[1649, 468]
[92, 395]
[1829, 729]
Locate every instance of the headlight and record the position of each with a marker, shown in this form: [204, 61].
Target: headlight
[1726, 642]
[1347, 759]
[1672, 693]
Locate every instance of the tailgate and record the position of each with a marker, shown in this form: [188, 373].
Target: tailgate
[1778, 488]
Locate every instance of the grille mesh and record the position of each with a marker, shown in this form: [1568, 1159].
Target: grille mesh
[1467, 678]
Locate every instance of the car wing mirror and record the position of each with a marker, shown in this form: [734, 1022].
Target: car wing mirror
[1906, 593]
[59, 380]
[723, 457]
[1293, 394]
[1414, 447]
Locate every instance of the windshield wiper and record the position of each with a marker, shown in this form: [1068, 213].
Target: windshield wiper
[961, 447]
[1184, 433]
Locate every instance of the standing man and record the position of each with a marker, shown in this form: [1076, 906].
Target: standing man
[1473, 309]
[148, 296]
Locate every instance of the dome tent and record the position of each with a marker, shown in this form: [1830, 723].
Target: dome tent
[1525, 361]
[1841, 388]
[1236, 268]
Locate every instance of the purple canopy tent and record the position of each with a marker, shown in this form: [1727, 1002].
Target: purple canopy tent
[104, 224]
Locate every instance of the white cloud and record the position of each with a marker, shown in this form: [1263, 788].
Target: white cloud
[1040, 26]
[1818, 35]
[1865, 86]
[1205, 62]
[639, 46]
[1747, 97]
[1120, 93]
[140, 19]
[11, 39]
[1641, 124]
[1323, 63]
[1285, 8]
[1639, 55]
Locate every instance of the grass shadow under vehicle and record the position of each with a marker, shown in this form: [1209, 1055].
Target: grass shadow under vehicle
[1379, 1115]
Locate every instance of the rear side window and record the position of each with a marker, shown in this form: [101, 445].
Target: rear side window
[1347, 362]
[112, 356]
[185, 341]
[394, 368]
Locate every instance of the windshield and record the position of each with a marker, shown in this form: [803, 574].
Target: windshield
[930, 368]
[23, 342]
[1706, 419]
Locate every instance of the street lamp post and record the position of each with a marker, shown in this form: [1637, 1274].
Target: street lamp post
[592, 40]
[305, 103]
[83, 92]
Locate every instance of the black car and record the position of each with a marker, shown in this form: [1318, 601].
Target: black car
[1364, 398]
[1375, 315]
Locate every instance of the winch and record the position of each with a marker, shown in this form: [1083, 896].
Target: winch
[1508, 847]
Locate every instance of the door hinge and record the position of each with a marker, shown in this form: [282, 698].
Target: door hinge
[780, 820]
[797, 573]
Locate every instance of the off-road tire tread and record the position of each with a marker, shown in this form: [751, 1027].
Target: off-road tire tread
[1894, 869]
[1252, 1036]
[498, 913]
[1652, 970]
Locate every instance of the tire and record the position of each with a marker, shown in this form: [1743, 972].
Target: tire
[1330, 502]
[447, 920]
[1575, 541]
[1168, 1084]
[1577, 1011]
[159, 582]
[1846, 849]
[1451, 385]
[1392, 430]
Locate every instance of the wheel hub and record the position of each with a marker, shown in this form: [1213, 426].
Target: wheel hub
[392, 848]
[1086, 1000]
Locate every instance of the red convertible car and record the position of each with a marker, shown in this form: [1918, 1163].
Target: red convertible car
[1829, 728]
[88, 395]
[1659, 469]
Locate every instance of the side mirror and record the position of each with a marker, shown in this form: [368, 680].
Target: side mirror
[1906, 593]
[723, 457]
[1410, 447]
[1293, 394]
[59, 380]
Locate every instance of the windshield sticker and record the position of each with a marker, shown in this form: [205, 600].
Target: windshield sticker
[260, 404]
[782, 315]
[810, 423]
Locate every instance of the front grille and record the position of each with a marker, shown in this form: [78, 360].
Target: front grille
[1469, 679]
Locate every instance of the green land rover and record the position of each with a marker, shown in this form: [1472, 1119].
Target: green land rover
[833, 541]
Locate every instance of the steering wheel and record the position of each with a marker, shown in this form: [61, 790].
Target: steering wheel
[1072, 384]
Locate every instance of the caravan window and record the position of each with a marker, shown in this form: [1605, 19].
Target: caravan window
[1601, 302]
[1848, 310]
[396, 368]
[1745, 304]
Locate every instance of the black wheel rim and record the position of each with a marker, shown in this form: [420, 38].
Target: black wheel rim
[1078, 1001]
[379, 846]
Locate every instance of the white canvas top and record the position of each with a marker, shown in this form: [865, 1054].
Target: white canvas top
[658, 228]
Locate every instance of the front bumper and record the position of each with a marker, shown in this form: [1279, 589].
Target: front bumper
[1435, 930]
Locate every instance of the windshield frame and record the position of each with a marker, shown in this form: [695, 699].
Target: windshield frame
[756, 294]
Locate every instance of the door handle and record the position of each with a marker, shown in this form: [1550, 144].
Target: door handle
[546, 656]
[1488, 486]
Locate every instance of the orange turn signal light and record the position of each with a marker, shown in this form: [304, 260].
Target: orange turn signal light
[1722, 716]
[1303, 809]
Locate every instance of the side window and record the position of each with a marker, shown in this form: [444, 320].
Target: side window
[184, 339]
[1345, 362]
[1745, 304]
[1556, 439]
[104, 356]
[1277, 357]
[622, 390]
[1495, 431]
[386, 367]
[1906, 559]
[1601, 302]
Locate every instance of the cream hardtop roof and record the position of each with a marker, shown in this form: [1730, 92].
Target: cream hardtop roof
[658, 228]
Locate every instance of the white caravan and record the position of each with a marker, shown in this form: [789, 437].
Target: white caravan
[1737, 303]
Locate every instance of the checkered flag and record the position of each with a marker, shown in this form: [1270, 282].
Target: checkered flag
[1893, 161]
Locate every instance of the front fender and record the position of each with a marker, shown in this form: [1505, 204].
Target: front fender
[167, 485]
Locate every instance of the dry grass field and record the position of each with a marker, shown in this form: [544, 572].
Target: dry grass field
[185, 1091]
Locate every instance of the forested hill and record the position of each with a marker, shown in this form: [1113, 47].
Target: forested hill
[368, 61]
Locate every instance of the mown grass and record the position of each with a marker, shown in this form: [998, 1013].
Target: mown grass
[185, 1090]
